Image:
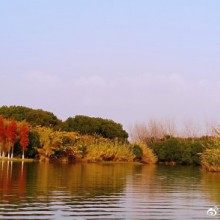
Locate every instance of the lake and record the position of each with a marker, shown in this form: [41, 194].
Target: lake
[106, 191]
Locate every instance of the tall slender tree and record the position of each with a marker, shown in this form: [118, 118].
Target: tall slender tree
[7, 144]
[11, 136]
[24, 140]
[2, 136]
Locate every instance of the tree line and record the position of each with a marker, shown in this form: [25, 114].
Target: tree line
[81, 124]
[40, 134]
[96, 139]
[189, 146]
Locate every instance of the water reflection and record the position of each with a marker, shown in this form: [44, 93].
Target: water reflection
[82, 179]
[211, 184]
[12, 182]
[104, 191]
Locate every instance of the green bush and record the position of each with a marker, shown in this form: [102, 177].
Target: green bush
[180, 150]
[137, 151]
[34, 144]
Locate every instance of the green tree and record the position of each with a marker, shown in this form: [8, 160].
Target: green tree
[180, 150]
[96, 126]
[32, 116]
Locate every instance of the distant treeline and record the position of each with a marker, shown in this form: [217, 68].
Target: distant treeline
[81, 124]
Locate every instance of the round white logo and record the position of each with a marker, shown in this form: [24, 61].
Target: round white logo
[212, 212]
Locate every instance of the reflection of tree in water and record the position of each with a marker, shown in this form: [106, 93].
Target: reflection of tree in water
[12, 180]
[89, 180]
[44, 187]
[41, 179]
[82, 179]
[211, 184]
[157, 183]
[185, 177]
[59, 190]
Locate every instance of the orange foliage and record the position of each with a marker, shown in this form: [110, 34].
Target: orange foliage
[24, 140]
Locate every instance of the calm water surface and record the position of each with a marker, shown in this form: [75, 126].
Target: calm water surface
[106, 191]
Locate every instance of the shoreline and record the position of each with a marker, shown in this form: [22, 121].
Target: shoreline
[17, 159]
[64, 161]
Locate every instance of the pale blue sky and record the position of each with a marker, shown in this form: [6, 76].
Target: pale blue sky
[119, 59]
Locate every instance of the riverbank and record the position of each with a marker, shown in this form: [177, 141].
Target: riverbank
[17, 159]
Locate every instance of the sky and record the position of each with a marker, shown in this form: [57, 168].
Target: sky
[127, 60]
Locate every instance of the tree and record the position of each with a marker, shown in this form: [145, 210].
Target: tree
[139, 133]
[11, 137]
[2, 136]
[24, 140]
[153, 130]
[95, 126]
[32, 116]
[34, 143]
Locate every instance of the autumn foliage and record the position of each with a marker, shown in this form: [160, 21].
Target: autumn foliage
[2, 131]
[24, 141]
[10, 132]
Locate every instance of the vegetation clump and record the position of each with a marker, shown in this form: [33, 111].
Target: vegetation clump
[210, 159]
[11, 133]
[184, 151]
[33, 116]
[95, 126]
[74, 146]
[148, 156]
[47, 143]
[40, 134]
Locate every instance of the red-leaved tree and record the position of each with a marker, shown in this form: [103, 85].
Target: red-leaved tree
[24, 140]
[11, 136]
[2, 136]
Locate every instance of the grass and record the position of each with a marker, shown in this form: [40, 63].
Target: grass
[211, 160]
[108, 152]
[71, 146]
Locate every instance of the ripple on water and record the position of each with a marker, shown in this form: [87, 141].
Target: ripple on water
[116, 191]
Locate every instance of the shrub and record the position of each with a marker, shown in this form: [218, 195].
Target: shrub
[148, 156]
[180, 150]
[211, 159]
[58, 144]
[71, 145]
[137, 151]
[109, 152]
[34, 143]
